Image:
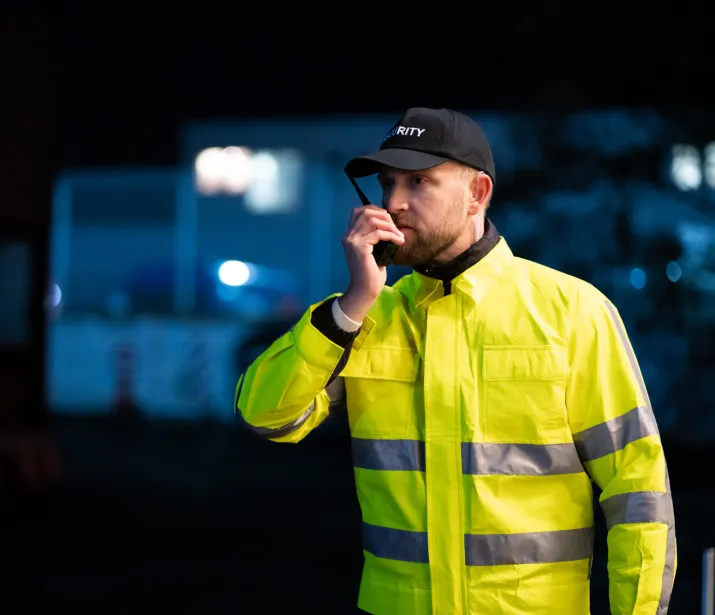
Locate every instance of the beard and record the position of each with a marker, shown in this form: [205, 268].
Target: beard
[423, 246]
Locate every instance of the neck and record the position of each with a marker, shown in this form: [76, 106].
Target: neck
[472, 234]
[467, 258]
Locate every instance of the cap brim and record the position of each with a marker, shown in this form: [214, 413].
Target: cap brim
[403, 159]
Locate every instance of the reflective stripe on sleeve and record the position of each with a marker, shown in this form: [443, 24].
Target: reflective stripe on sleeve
[636, 507]
[284, 430]
[614, 435]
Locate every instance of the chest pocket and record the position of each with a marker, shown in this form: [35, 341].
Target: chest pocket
[523, 394]
[380, 383]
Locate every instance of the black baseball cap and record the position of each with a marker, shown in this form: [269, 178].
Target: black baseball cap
[424, 138]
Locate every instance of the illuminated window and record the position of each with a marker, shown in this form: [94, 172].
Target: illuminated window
[234, 273]
[269, 180]
[685, 168]
[709, 166]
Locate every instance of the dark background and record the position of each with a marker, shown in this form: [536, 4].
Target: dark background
[200, 518]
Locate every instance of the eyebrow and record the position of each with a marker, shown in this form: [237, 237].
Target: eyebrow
[381, 175]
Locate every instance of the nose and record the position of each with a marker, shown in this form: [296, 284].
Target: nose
[394, 199]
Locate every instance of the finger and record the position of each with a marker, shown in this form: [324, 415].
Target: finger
[371, 219]
[375, 224]
[359, 233]
[369, 207]
[357, 212]
[354, 213]
[382, 235]
[370, 211]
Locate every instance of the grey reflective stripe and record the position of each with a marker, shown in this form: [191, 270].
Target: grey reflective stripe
[531, 548]
[611, 436]
[652, 428]
[520, 459]
[629, 351]
[670, 552]
[284, 430]
[395, 544]
[614, 435]
[477, 458]
[636, 507]
[646, 425]
[336, 395]
[388, 454]
[484, 549]
[648, 507]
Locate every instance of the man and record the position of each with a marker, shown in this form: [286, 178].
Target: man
[485, 393]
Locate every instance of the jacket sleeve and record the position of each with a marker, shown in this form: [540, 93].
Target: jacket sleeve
[617, 438]
[291, 387]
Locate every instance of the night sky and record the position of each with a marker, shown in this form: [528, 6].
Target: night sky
[130, 73]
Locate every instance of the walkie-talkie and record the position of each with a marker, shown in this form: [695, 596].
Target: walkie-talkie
[383, 251]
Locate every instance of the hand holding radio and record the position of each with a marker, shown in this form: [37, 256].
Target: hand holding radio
[369, 226]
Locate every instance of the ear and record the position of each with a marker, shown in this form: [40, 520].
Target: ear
[480, 189]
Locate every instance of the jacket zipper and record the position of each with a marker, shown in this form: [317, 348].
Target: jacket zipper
[447, 287]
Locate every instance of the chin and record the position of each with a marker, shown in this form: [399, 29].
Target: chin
[403, 261]
[409, 259]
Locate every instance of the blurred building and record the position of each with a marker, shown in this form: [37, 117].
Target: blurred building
[183, 265]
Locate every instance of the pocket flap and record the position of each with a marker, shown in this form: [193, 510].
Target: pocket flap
[523, 363]
[400, 364]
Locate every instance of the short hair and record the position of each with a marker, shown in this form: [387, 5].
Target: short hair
[467, 173]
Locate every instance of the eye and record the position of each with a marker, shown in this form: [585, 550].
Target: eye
[419, 179]
[384, 182]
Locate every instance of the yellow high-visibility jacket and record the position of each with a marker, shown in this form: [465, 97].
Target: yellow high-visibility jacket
[479, 420]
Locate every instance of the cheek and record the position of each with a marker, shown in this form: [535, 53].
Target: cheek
[459, 208]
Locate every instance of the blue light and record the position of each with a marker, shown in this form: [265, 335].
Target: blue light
[234, 273]
[55, 296]
[638, 278]
[673, 271]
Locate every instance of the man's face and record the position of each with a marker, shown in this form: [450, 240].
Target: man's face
[430, 207]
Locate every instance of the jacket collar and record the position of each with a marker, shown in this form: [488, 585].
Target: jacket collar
[472, 255]
[474, 272]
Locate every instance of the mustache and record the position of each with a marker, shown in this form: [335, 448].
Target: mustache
[402, 221]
